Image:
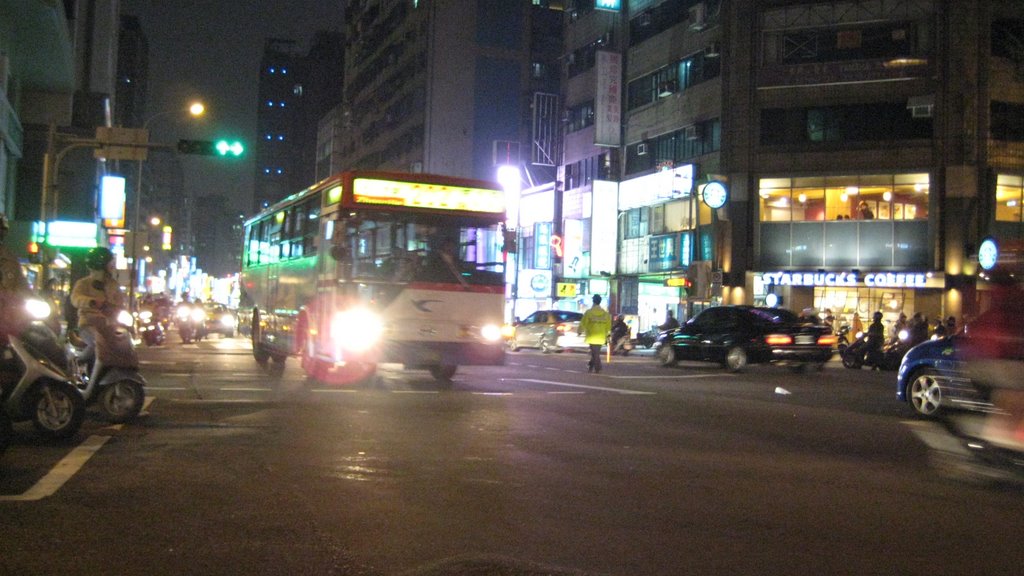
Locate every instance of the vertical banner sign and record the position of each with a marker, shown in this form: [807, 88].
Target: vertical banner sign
[542, 245]
[573, 263]
[608, 102]
[604, 228]
[112, 199]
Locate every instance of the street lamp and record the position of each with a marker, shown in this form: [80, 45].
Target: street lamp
[195, 110]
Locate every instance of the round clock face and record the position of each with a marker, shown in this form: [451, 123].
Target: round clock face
[988, 254]
[715, 194]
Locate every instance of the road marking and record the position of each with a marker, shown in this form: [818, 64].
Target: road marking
[679, 377]
[334, 390]
[584, 386]
[415, 392]
[492, 393]
[62, 472]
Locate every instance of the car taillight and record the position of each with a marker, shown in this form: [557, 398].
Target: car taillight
[778, 339]
[828, 340]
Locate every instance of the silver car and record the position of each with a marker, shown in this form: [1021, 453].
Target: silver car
[542, 329]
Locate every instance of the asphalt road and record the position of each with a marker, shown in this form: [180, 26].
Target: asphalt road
[535, 467]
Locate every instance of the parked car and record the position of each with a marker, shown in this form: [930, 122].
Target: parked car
[220, 320]
[739, 335]
[542, 330]
[932, 378]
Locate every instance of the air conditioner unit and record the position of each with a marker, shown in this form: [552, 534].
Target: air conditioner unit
[692, 132]
[921, 111]
[713, 50]
[641, 149]
[697, 16]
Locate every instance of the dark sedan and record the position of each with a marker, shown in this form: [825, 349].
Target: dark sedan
[739, 335]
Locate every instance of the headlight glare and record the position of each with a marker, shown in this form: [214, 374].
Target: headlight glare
[124, 318]
[491, 332]
[356, 330]
[37, 309]
[227, 321]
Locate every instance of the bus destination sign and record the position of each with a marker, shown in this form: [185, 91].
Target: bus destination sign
[431, 196]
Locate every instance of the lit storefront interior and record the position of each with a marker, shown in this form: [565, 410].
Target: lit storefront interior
[848, 244]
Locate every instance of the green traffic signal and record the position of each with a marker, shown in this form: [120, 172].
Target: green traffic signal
[232, 148]
[225, 148]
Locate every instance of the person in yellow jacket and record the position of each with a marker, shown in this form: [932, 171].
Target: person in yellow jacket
[595, 326]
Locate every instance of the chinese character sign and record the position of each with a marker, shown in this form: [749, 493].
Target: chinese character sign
[608, 102]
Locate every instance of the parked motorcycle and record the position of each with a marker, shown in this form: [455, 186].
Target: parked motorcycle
[35, 387]
[858, 353]
[149, 327]
[111, 378]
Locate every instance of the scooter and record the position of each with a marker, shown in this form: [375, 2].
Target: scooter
[150, 329]
[622, 343]
[843, 338]
[191, 321]
[36, 388]
[961, 450]
[857, 354]
[112, 378]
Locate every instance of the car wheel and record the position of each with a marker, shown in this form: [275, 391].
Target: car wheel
[443, 372]
[924, 393]
[666, 355]
[852, 361]
[545, 346]
[513, 345]
[736, 359]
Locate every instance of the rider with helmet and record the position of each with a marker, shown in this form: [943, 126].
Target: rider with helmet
[96, 297]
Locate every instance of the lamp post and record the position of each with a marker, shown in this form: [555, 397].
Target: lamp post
[196, 109]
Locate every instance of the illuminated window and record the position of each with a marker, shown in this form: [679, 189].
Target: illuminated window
[1009, 192]
[876, 197]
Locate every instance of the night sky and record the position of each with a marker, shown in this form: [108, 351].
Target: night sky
[210, 49]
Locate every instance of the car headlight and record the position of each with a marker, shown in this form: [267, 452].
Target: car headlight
[124, 318]
[491, 332]
[227, 321]
[37, 309]
[145, 315]
[904, 335]
[356, 330]
[183, 312]
[198, 315]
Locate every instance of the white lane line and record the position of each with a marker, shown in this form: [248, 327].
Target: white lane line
[679, 377]
[241, 389]
[566, 392]
[584, 386]
[415, 392]
[492, 393]
[62, 472]
[165, 388]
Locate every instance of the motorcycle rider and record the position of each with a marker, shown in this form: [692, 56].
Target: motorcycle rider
[620, 330]
[670, 322]
[97, 296]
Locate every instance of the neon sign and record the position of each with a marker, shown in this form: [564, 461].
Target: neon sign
[846, 279]
[421, 195]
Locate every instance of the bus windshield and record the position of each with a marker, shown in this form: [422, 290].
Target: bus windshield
[404, 248]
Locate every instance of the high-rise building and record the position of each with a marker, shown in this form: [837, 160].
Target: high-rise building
[296, 89]
[450, 87]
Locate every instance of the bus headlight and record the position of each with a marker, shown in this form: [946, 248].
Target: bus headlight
[37, 309]
[491, 332]
[356, 330]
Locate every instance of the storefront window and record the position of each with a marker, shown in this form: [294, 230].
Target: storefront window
[871, 197]
[1008, 198]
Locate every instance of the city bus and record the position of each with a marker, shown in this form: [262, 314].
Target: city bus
[369, 267]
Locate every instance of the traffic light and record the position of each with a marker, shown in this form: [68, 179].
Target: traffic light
[232, 148]
[34, 254]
